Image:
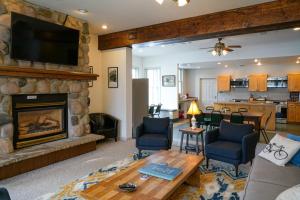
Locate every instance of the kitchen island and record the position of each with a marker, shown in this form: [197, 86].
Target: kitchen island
[262, 107]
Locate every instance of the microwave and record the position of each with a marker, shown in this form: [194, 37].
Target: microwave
[239, 83]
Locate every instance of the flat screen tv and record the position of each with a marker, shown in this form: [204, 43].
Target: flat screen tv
[40, 41]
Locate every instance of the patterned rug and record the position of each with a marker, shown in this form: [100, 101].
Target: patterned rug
[217, 183]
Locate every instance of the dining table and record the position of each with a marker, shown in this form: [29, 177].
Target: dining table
[255, 117]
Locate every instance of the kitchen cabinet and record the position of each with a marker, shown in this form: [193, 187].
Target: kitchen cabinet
[258, 83]
[223, 83]
[293, 112]
[294, 82]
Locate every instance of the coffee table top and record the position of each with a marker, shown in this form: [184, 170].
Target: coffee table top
[152, 188]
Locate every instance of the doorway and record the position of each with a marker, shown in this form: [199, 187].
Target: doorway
[208, 92]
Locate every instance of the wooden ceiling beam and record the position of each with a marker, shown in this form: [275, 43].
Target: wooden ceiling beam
[274, 15]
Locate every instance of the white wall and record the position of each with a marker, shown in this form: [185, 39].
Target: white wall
[96, 92]
[169, 95]
[118, 101]
[192, 81]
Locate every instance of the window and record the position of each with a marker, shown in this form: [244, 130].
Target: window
[154, 85]
[135, 72]
[180, 81]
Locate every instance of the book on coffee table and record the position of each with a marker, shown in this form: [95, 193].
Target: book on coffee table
[161, 171]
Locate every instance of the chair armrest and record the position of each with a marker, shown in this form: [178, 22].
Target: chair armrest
[248, 146]
[170, 134]
[139, 131]
[4, 195]
[211, 136]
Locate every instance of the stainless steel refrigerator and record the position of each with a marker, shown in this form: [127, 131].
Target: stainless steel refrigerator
[140, 102]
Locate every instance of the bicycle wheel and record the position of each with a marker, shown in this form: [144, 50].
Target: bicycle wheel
[268, 148]
[280, 155]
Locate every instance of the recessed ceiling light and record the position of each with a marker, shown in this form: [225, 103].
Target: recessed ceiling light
[256, 60]
[297, 29]
[259, 63]
[104, 26]
[219, 63]
[226, 66]
[163, 45]
[83, 11]
[298, 61]
[159, 1]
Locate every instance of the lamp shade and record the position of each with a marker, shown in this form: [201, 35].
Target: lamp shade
[193, 110]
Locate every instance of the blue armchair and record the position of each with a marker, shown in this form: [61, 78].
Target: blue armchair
[154, 134]
[231, 143]
[4, 194]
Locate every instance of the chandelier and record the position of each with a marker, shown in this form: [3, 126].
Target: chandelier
[179, 3]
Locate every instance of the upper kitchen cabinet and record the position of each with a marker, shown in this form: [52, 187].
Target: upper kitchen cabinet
[294, 82]
[258, 83]
[223, 83]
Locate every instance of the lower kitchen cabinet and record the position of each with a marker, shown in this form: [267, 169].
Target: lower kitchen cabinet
[293, 112]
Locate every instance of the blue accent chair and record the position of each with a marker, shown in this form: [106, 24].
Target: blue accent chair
[4, 194]
[231, 143]
[154, 134]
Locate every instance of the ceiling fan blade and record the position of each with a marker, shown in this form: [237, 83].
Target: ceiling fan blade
[234, 46]
[228, 49]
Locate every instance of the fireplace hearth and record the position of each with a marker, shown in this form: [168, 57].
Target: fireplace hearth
[39, 118]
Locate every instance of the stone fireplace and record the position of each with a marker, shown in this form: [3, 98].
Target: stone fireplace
[39, 118]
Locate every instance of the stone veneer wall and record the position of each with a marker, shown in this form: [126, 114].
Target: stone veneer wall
[77, 90]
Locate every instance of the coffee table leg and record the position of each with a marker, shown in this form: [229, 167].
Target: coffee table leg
[194, 179]
[181, 142]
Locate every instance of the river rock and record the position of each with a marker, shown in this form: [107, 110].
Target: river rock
[28, 88]
[4, 34]
[43, 86]
[6, 146]
[5, 119]
[77, 131]
[3, 9]
[5, 20]
[7, 131]
[76, 108]
[10, 88]
[87, 129]
[74, 120]
[75, 87]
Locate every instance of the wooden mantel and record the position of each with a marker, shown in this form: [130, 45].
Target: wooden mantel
[17, 71]
[274, 15]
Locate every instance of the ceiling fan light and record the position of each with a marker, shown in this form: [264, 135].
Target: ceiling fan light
[214, 53]
[297, 62]
[224, 52]
[159, 1]
[181, 3]
[259, 63]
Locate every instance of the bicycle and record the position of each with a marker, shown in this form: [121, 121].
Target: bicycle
[279, 153]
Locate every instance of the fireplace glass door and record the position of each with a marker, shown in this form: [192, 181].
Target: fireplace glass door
[40, 123]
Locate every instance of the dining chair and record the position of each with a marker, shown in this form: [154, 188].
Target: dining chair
[151, 111]
[157, 110]
[216, 118]
[226, 109]
[237, 118]
[263, 128]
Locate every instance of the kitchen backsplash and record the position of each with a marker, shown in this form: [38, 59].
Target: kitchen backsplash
[281, 94]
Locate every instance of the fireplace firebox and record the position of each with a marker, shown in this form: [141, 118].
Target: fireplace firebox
[39, 118]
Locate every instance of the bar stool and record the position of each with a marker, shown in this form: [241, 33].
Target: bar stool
[263, 128]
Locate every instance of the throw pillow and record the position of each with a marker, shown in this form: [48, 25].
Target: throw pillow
[292, 193]
[296, 159]
[280, 150]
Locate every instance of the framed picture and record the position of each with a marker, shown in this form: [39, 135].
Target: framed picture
[113, 77]
[169, 81]
[91, 71]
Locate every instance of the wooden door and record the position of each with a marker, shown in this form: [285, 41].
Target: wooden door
[291, 112]
[262, 82]
[252, 83]
[223, 83]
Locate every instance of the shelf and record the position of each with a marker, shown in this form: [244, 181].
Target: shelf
[16, 71]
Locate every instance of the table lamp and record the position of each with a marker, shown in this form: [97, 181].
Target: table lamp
[193, 110]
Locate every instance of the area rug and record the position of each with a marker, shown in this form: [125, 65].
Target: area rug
[217, 183]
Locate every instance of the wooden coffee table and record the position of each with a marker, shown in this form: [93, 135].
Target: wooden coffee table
[152, 188]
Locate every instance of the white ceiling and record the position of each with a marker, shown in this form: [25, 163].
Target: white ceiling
[281, 43]
[127, 14]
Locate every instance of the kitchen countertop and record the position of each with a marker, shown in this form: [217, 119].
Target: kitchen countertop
[247, 103]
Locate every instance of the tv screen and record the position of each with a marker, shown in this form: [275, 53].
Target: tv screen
[41, 41]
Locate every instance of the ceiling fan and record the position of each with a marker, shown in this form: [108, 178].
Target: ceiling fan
[221, 49]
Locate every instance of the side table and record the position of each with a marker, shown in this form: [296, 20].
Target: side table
[189, 131]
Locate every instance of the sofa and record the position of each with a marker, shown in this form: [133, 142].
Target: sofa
[267, 180]
[104, 124]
